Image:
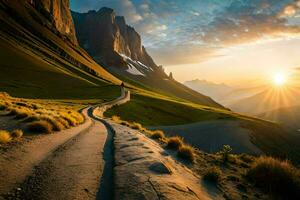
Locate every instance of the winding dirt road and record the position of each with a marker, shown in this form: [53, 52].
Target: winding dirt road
[97, 160]
[65, 165]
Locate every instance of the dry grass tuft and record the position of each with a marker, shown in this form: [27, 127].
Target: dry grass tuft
[276, 177]
[174, 142]
[186, 152]
[17, 133]
[213, 174]
[40, 127]
[157, 135]
[137, 126]
[116, 118]
[56, 125]
[5, 137]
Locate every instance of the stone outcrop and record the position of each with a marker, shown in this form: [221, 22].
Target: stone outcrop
[59, 14]
[105, 35]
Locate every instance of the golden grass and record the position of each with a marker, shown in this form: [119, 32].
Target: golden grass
[186, 152]
[17, 133]
[116, 118]
[157, 134]
[60, 116]
[174, 142]
[40, 127]
[213, 174]
[5, 137]
[137, 126]
[276, 177]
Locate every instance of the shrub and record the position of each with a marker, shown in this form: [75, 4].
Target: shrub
[56, 125]
[225, 152]
[186, 152]
[13, 111]
[71, 120]
[62, 121]
[78, 117]
[124, 123]
[174, 142]
[40, 127]
[31, 118]
[157, 134]
[246, 158]
[21, 115]
[2, 107]
[137, 126]
[275, 176]
[212, 174]
[4, 137]
[115, 118]
[17, 133]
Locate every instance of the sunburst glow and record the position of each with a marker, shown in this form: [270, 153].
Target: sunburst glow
[279, 79]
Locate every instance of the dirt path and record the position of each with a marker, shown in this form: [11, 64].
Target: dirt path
[144, 170]
[73, 171]
[65, 165]
[18, 163]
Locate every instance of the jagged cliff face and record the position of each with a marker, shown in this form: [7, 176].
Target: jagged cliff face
[118, 47]
[59, 14]
[105, 36]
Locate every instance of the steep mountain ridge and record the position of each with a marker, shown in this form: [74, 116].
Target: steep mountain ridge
[59, 16]
[105, 35]
[37, 60]
[118, 47]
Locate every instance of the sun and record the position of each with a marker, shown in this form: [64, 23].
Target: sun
[279, 79]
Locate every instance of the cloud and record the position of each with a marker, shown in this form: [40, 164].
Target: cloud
[189, 31]
[245, 22]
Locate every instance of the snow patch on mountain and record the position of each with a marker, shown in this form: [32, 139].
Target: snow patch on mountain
[132, 70]
[136, 63]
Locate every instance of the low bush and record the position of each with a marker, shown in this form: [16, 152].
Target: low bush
[40, 127]
[174, 142]
[276, 177]
[116, 118]
[124, 123]
[137, 126]
[157, 135]
[71, 120]
[56, 125]
[5, 137]
[31, 118]
[21, 115]
[2, 107]
[225, 152]
[246, 158]
[212, 174]
[186, 152]
[17, 133]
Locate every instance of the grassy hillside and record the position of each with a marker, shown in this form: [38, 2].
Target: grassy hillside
[157, 110]
[38, 63]
[288, 116]
[152, 110]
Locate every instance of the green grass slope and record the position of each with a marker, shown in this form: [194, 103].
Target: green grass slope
[156, 110]
[38, 63]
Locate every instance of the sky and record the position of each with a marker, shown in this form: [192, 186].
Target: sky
[218, 40]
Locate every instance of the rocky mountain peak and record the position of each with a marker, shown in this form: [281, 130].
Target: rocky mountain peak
[107, 36]
[59, 14]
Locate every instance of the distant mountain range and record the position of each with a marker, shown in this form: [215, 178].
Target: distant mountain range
[287, 116]
[214, 90]
[268, 100]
